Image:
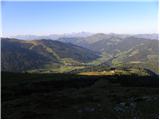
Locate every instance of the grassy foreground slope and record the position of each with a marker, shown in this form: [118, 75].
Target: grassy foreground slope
[79, 96]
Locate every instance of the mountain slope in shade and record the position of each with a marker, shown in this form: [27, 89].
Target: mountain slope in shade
[21, 55]
[17, 58]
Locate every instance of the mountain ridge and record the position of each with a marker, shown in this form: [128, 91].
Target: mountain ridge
[42, 52]
[98, 49]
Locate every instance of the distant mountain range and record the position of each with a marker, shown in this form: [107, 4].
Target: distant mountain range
[81, 49]
[52, 36]
[81, 35]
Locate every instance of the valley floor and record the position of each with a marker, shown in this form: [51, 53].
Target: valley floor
[79, 96]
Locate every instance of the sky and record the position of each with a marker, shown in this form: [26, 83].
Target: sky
[53, 17]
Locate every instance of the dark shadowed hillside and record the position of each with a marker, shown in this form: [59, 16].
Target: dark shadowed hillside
[73, 96]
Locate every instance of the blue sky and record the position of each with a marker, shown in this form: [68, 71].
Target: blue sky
[43, 18]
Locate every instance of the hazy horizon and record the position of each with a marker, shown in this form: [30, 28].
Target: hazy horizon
[74, 33]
